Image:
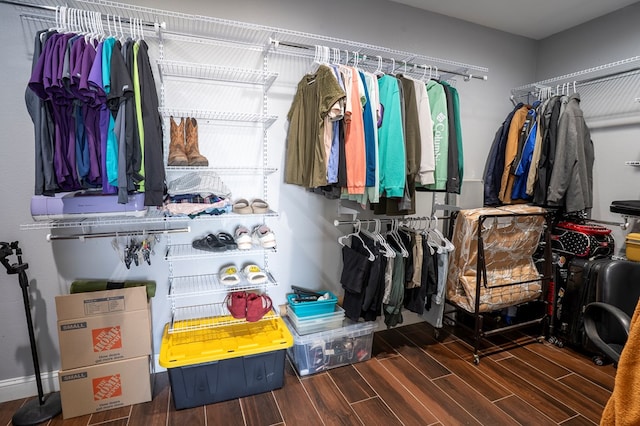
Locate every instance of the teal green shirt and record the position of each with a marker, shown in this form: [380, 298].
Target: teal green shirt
[391, 149]
[438, 104]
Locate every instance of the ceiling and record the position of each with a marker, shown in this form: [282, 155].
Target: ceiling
[535, 19]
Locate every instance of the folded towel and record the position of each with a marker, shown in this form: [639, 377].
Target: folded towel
[623, 407]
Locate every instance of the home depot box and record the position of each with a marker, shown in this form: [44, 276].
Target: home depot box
[103, 387]
[103, 326]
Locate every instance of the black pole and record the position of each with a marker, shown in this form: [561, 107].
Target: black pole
[42, 409]
[24, 285]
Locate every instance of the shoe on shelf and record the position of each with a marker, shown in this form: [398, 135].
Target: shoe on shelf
[254, 274]
[191, 148]
[263, 236]
[209, 243]
[236, 303]
[177, 154]
[226, 239]
[259, 206]
[228, 275]
[243, 238]
[258, 305]
[242, 206]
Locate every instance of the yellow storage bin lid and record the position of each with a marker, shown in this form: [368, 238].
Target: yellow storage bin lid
[633, 238]
[223, 342]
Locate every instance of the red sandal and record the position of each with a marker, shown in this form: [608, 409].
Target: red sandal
[257, 306]
[236, 303]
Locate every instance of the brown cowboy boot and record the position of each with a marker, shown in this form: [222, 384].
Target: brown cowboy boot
[191, 147]
[177, 156]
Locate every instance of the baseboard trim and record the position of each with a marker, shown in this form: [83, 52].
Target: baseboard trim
[24, 387]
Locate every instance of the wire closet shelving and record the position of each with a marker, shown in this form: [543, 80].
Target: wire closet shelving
[609, 93]
[241, 35]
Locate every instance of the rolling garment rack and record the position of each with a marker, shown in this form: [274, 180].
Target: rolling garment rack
[495, 290]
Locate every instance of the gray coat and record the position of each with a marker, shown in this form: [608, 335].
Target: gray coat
[571, 183]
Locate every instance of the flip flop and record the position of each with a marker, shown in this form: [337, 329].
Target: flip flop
[242, 206]
[226, 239]
[259, 206]
[229, 275]
[254, 274]
[209, 243]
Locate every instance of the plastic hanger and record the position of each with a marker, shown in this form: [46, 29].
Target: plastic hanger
[356, 233]
[396, 237]
[385, 248]
[442, 240]
[391, 252]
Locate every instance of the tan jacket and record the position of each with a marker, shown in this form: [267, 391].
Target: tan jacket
[510, 153]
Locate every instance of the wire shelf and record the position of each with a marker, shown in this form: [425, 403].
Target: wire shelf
[202, 317]
[236, 117]
[154, 216]
[215, 72]
[202, 285]
[249, 171]
[187, 252]
[252, 36]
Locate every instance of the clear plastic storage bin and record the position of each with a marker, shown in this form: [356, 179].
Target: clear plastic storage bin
[321, 351]
[316, 323]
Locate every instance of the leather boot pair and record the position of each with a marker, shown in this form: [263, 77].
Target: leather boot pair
[183, 148]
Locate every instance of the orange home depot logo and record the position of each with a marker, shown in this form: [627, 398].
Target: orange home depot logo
[106, 387]
[106, 339]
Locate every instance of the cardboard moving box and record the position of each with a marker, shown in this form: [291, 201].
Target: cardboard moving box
[104, 387]
[104, 326]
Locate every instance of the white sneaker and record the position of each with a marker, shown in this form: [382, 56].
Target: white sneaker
[263, 236]
[243, 238]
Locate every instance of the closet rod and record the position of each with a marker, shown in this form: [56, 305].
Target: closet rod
[51, 237]
[467, 76]
[53, 9]
[337, 222]
[622, 226]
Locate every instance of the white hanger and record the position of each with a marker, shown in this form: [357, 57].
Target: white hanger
[441, 240]
[396, 237]
[391, 252]
[385, 248]
[341, 240]
[378, 70]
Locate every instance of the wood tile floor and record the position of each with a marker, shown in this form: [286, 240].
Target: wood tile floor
[411, 379]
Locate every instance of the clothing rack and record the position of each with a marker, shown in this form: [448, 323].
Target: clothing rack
[126, 20]
[570, 78]
[385, 220]
[610, 93]
[405, 66]
[51, 237]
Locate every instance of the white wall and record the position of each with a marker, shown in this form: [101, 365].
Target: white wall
[307, 250]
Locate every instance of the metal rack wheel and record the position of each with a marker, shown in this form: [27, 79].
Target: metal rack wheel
[597, 360]
[476, 359]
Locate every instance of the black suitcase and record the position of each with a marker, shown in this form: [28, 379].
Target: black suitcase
[579, 289]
